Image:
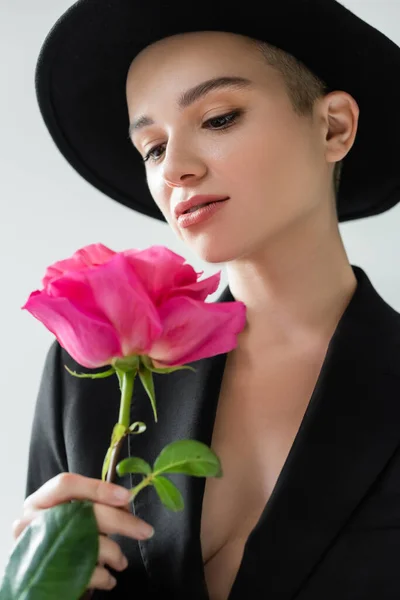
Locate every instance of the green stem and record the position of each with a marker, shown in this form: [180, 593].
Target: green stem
[128, 378]
[146, 481]
[112, 469]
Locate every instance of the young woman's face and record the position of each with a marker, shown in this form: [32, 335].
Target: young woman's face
[242, 142]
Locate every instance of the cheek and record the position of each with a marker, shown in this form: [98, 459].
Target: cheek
[161, 195]
[158, 191]
[271, 174]
[259, 156]
[274, 162]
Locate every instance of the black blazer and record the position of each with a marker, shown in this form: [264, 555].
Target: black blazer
[331, 528]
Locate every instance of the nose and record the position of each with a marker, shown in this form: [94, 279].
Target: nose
[182, 164]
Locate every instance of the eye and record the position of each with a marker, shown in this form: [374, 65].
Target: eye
[223, 120]
[150, 153]
[220, 122]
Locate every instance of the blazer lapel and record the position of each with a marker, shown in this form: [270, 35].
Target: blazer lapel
[347, 435]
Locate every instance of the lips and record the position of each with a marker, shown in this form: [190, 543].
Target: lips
[196, 202]
[199, 206]
[201, 215]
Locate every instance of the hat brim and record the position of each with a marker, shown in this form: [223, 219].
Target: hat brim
[83, 64]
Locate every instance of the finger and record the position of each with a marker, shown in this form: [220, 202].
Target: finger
[110, 554]
[102, 579]
[114, 520]
[19, 525]
[73, 486]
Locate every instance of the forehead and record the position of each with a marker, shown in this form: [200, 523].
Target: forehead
[181, 48]
[179, 62]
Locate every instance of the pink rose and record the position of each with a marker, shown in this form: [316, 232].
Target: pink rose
[102, 304]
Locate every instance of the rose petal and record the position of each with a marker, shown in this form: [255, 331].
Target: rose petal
[195, 330]
[94, 254]
[160, 270]
[121, 297]
[90, 341]
[198, 290]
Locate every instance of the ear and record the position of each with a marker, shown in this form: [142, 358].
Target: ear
[341, 113]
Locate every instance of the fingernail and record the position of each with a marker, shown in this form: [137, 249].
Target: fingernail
[121, 493]
[124, 562]
[146, 531]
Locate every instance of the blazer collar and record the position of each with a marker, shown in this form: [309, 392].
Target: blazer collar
[347, 435]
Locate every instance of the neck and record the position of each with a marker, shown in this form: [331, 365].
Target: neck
[295, 289]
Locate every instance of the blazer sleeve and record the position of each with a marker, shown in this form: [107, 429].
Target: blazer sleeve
[47, 454]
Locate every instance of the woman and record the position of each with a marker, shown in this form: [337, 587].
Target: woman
[257, 109]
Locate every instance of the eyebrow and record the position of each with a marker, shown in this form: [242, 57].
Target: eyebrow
[195, 93]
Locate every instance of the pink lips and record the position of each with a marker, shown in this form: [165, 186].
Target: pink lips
[196, 201]
[200, 214]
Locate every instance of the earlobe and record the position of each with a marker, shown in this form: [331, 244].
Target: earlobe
[342, 114]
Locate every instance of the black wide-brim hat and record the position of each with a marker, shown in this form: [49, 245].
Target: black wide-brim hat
[83, 64]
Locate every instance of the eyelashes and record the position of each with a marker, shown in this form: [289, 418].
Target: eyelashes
[228, 119]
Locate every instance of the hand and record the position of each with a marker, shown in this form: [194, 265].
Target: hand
[112, 515]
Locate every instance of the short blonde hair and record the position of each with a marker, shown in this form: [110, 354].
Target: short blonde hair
[303, 86]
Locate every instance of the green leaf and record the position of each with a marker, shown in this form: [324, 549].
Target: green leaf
[146, 378]
[139, 425]
[146, 360]
[189, 457]
[168, 493]
[101, 375]
[167, 370]
[133, 464]
[55, 555]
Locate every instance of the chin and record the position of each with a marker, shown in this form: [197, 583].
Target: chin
[213, 251]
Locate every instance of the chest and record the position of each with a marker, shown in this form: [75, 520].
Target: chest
[258, 416]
